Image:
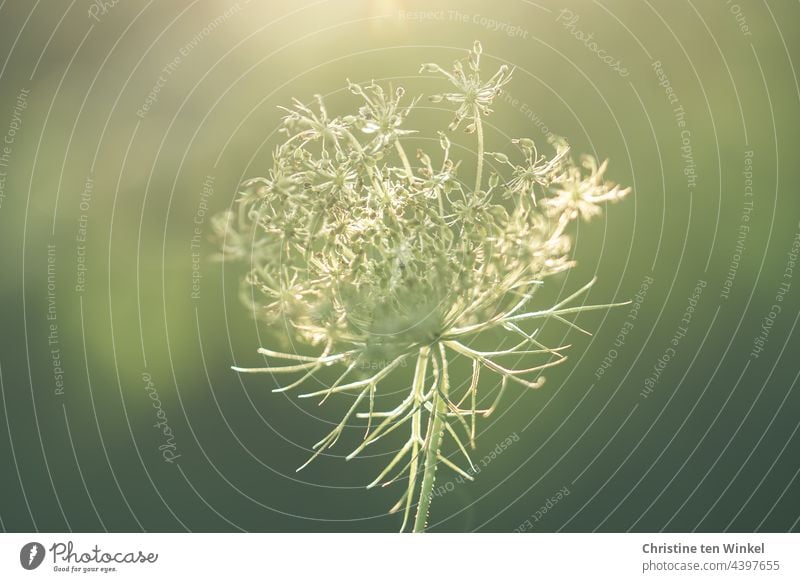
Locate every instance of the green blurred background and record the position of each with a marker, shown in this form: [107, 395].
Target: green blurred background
[713, 446]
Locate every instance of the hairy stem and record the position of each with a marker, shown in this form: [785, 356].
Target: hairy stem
[479, 172]
[432, 446]
[417, 390]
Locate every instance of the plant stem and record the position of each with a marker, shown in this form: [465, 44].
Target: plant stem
[416, 425]
[376, 182]
[404, 158]
[437, 420]
[479, 172]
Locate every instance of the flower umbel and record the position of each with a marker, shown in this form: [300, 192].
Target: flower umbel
[372, 259]
[474, 96]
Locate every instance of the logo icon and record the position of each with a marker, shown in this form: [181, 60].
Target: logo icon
[31, 555]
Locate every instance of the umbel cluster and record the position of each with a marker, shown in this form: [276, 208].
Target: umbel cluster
[371, 252]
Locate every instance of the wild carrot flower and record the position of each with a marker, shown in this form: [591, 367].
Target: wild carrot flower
[373, 259]
[474, 96]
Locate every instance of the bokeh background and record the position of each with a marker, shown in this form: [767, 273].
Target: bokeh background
[127, 125]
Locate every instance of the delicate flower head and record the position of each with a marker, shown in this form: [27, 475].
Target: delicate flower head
[581, 195]
[373, 255]
[474, 96]
[381, 115]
